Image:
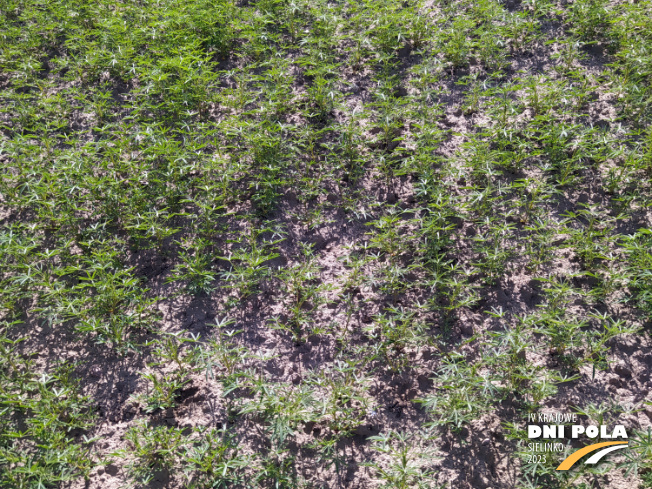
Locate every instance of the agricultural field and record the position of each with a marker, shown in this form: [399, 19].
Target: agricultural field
[323, 243]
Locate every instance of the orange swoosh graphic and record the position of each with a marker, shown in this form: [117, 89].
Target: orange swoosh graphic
[574, 457]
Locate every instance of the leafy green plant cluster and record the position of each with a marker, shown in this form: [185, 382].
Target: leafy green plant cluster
[389, 204]
[45, 421]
